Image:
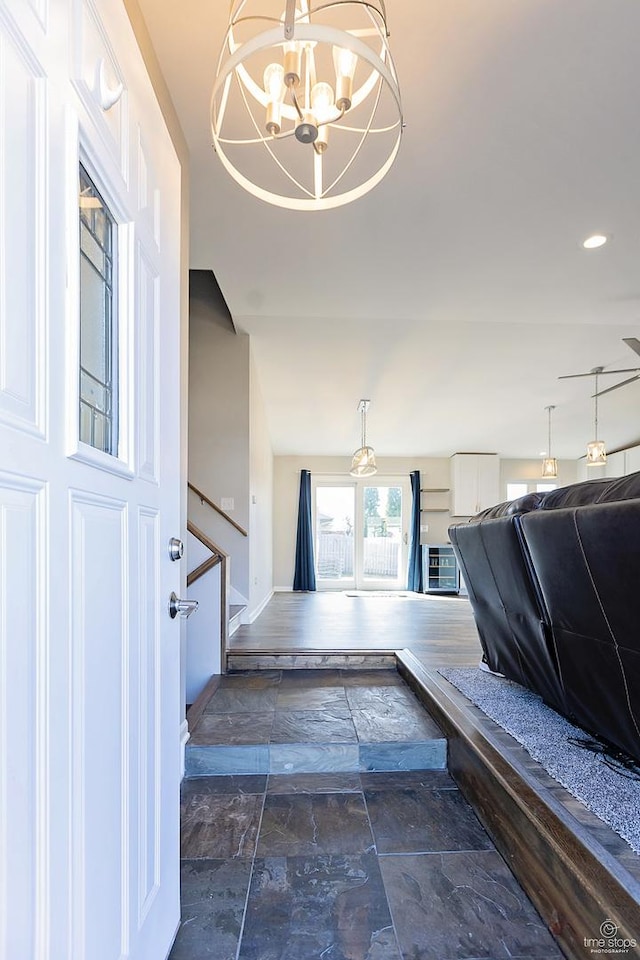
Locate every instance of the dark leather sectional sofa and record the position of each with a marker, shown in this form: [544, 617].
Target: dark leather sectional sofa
[554, 582]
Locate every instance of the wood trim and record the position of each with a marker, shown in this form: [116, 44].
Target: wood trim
[572, 879]
[196, 709]
[204, 567]
[214, 506]
[205, 540]
[219, 557]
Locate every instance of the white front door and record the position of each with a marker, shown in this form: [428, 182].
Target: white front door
[89, 491]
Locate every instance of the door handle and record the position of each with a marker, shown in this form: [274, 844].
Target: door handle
[182, 608]
[406, 537]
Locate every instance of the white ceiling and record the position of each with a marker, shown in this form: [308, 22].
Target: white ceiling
[455, 293]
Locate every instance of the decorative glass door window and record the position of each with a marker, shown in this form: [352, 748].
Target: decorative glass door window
[98, 408]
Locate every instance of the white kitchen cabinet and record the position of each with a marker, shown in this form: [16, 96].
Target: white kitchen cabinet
[475, 482]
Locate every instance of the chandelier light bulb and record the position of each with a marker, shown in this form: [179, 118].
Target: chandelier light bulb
[322, 101]
[323, 107]
[345, 64]
[274, 82]
[292, 63]
[275, 90]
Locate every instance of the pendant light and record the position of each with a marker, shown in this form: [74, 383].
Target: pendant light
[363, 463]
[549, 464]
[596, 452]
[305, 110]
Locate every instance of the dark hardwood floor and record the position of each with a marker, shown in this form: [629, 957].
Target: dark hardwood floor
[438, 630]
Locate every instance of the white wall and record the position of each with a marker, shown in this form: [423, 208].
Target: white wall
[286, 487]
[261, 505]
[219, 419]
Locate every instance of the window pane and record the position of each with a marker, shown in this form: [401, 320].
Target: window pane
[515, 490]
[94, 354]
[98, 359]
[382, 532]
[335, 518]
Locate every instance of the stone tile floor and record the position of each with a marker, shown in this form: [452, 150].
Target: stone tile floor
[346, 865]
[297, 721]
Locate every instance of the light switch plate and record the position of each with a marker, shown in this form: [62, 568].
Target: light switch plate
[226, 503]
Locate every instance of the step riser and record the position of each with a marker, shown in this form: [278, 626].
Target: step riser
[202, 761]
[311, 661]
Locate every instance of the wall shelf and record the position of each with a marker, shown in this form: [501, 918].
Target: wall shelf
[436, 500]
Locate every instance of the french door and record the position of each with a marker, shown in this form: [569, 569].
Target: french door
[89, 490]
[361, 533]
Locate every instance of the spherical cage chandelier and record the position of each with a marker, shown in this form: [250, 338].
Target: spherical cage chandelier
[305, 109]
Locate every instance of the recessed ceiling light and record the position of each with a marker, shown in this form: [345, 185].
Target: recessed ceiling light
[542, 453]
[597, 240]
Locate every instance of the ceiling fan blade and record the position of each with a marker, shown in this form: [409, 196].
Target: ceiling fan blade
[599, 373]
[622, 383]
[623, 370]
[632, 342]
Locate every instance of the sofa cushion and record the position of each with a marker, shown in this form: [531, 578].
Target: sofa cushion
[575, 495]
[511, 508]
[624, 488]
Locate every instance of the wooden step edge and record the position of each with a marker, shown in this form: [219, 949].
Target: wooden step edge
[573, 880]
[196, 709]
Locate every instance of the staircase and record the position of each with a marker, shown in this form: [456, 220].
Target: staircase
[235, 616]
[221, 607]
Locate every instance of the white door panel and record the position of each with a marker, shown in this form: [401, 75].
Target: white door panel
[89, 658]
[22, 530]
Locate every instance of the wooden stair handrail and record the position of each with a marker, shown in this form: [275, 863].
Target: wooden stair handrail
[205, 540]
[214, 506]
[203, 568]
[217, 554]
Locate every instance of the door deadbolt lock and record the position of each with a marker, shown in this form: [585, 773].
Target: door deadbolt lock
[182, 608]
[176, 548]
